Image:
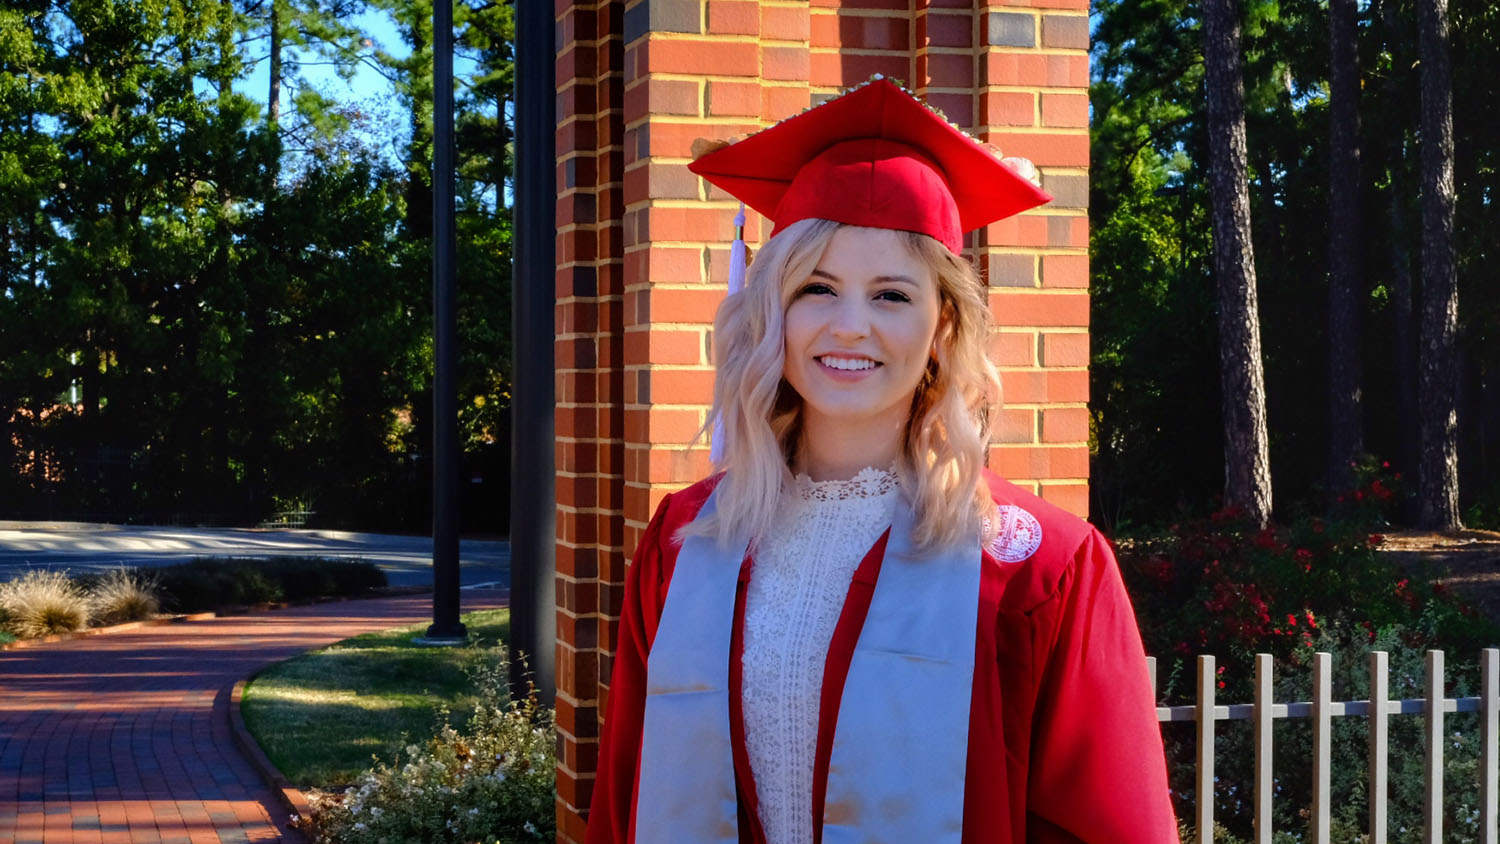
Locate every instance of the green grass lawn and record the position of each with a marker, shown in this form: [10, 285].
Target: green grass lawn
[321, 716]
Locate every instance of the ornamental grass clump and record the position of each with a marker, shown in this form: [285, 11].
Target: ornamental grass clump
[493, 781]
[122, 595]
[42, 602]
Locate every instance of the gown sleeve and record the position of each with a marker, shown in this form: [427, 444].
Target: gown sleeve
[613, 804]
[1098, 775]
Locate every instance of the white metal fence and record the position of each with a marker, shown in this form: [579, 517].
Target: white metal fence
[1322, 709]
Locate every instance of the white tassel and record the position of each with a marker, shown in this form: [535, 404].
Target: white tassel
[736, 283]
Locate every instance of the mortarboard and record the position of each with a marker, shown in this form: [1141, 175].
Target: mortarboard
[875, 156]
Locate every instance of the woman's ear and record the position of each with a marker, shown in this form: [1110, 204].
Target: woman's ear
[943, 333]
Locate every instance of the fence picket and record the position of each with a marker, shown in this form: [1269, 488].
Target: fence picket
[1489, 753]
[1379, 714]
[1264, 704]
[1434, 734]
[1207, 676]
[1322, 744]
[1322, 709]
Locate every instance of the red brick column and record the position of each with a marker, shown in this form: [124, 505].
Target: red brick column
[643, 251]
[589, 347]
[1033, 103]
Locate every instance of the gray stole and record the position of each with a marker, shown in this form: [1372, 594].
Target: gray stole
[900, 747]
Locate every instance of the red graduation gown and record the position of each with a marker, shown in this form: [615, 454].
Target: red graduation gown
[1064, 745]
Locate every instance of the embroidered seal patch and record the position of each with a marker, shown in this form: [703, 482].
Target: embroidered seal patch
[1020, 535]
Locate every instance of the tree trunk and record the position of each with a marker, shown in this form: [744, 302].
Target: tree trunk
[1437, 484]
[273, 96]
[1405, 351]
[1394, 37]
[1247, 469]
[1345, 416]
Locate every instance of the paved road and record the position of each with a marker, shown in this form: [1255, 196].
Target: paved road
[85, 546]
[124, 738]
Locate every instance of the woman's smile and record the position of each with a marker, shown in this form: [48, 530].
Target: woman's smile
[844, 366]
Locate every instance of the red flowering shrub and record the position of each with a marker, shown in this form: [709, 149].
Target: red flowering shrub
[1226, 587]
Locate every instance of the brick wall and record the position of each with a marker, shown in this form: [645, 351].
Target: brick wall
[643, 249]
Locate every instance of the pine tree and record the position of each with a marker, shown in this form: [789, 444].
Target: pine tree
[1345, 422]
[1247, 469]
[1437, 491]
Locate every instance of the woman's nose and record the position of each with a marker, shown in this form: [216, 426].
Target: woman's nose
[851, 319]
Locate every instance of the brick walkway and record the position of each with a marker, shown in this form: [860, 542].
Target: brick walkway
[125, 737]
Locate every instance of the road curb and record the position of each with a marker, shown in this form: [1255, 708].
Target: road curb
[291, 797]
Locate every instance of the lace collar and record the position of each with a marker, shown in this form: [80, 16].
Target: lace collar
[868, 483]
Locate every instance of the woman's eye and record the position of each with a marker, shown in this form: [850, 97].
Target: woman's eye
[816, 288]
[893, 296]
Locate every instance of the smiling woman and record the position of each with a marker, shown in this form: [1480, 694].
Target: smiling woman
[867, 636]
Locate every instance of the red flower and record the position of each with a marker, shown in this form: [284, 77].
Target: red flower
[1291, 620]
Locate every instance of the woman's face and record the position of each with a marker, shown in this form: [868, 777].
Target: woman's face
[859, 331]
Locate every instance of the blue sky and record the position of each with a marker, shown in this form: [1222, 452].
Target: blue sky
[386, 121]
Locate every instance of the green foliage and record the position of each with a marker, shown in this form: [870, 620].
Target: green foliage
[1484, 513]
[202, 313]
[213, 583]
[321, 716]
[492, 781]
[1227, 588]
[1154, 378]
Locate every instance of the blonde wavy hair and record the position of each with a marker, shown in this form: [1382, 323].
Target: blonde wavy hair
[947, 430]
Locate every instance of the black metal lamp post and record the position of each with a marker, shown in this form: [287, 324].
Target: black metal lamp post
[445, 626]
[533, 485]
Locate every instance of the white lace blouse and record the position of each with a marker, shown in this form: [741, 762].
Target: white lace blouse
[798, 583]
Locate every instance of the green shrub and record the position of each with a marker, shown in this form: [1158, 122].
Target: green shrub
[209, 583]
[492, 782]
[1484, 513]
[299, 581]
[1234, 753]
[122, 595]
[42, 602]
[351, 577]
[1228, 588]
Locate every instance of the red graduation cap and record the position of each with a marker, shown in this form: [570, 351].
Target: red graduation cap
[875, 156]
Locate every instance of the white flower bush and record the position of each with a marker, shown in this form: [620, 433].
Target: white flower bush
[492, 783]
